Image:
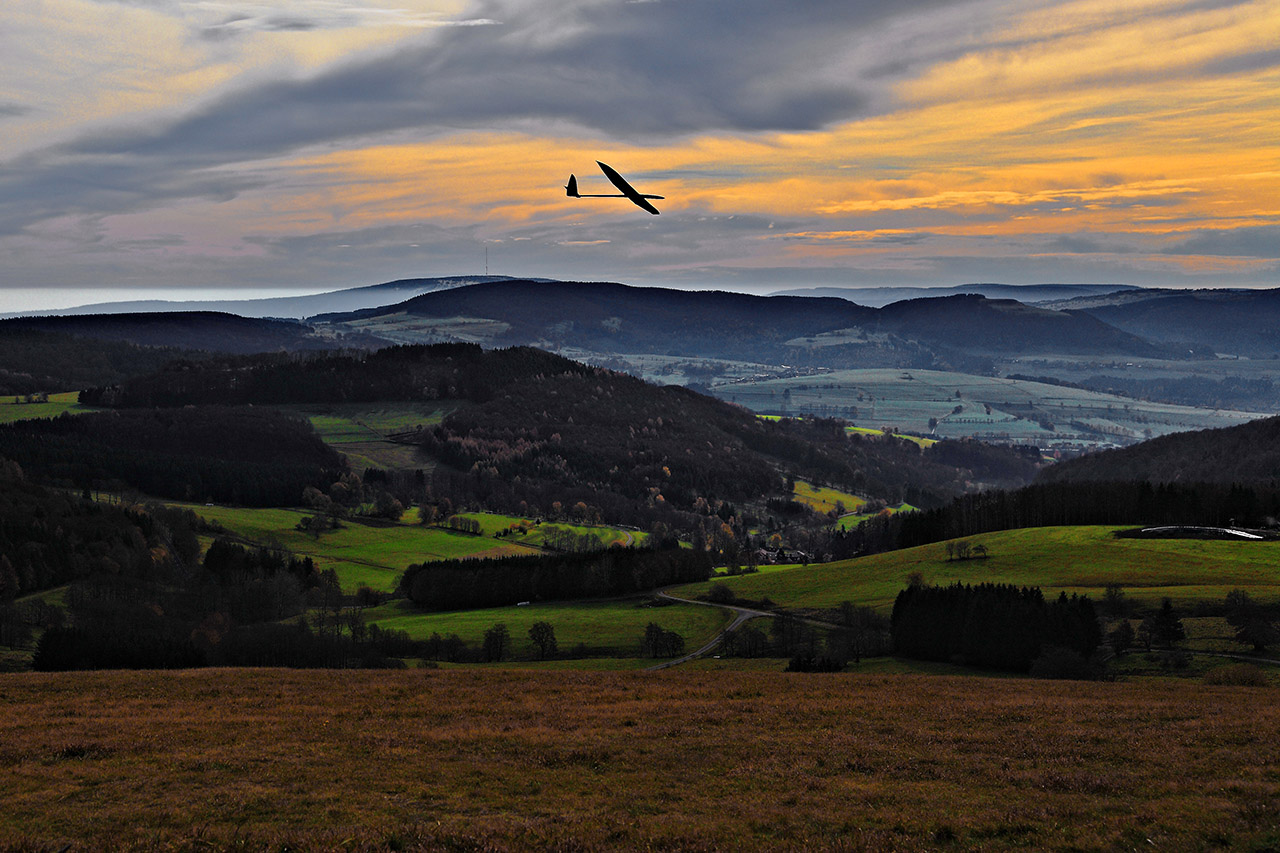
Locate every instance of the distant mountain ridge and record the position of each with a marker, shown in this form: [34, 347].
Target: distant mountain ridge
[190, 330]
[292, 307]
[1234, 322]
[617, 318]
[878, 297]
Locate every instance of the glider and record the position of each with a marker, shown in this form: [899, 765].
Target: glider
[628, 191]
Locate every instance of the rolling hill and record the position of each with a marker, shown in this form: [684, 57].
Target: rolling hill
[1233, 322]
[1028, 294]
[190, 330]
[613, 318]
[1248, 453]
[295, 307]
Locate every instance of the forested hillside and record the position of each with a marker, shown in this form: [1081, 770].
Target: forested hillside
[193, 330]
[34, 361]
[974, 322]
[250, 456]
[50, 537]
[440, 371]
[544, 429]
[1249, 453]
[611, 436]
[1240, 322]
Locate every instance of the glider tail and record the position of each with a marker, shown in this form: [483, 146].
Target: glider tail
[571, 189]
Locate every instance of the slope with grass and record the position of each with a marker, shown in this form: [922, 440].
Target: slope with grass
[1070, 559]
[375, 552]
[363, 552]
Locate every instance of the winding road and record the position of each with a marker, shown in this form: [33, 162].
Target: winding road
[743, 615]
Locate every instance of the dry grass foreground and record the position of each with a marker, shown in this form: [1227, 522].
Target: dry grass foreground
[488, 760]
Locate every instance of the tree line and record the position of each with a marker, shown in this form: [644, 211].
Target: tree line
[496, 582]
[241, 455]
[413, 372]
[996, 626]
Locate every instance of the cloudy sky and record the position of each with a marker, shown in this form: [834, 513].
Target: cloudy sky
[273, 145]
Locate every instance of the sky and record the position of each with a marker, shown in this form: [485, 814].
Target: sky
[260, 147]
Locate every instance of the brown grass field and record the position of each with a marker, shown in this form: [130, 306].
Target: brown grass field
[521, 760]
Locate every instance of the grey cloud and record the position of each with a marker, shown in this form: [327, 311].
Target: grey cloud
[34, 189]
[1078, 245]
[11, 109]
[629, 70]
[1261, 241]
[238, 18]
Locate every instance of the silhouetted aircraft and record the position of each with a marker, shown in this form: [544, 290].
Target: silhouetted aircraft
[628, 191]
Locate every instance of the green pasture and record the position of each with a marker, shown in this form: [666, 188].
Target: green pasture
[611, 627]
[11, 411]
[375, 553]
[360, 430]
[1070, 559]
[914, 439]
[536, 534]
[363, 552]
[824, 499]
[853, 519]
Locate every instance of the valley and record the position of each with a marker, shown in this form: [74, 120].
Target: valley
[513, 535]
[942, 404]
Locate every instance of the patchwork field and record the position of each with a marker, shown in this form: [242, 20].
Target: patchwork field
[494, 760]
[963, 405]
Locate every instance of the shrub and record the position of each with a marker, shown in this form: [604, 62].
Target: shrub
[721, 593]
[1237, 675]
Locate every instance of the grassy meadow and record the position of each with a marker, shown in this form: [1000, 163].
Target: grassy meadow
[824, 499]
[360, 431]
[1070, 559]
[375, 552]
[606, 627]
[11, 411]
[363, 552]
[593, 761]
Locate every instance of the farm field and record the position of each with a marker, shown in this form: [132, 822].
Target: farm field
[363, 552]
[375, 553]
[1070, 559]
[67, 401]
[608, 628]
[824, 499]
[360, 430]
[914, 439]
[853, 519]
[989, 407]
[528, 760]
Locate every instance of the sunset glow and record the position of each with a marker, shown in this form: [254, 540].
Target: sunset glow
[323, 144]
